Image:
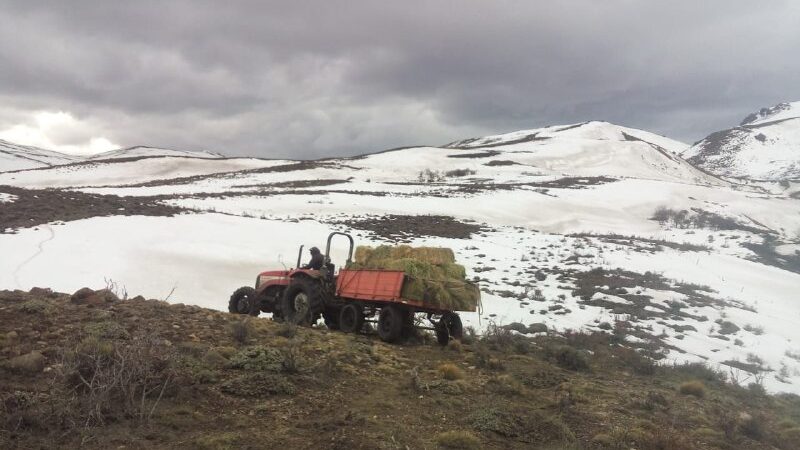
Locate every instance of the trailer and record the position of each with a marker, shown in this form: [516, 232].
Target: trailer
[346, 299]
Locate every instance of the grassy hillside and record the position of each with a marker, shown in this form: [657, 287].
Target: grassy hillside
[106, 373]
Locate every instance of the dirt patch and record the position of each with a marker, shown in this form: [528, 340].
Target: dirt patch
[400, 228]
[475, 155]
[644, 245]
[700, 218]
[765, 253]
[299, 184]
[501, 162]
[39, 206]
[479, 185]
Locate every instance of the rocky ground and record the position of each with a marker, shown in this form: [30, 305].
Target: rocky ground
[95, 371]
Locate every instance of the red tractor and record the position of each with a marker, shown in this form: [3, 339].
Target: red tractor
[346, 299]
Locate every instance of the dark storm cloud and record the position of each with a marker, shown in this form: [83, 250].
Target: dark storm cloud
[316, 78]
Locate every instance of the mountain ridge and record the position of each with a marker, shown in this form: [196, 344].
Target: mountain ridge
[765, 146]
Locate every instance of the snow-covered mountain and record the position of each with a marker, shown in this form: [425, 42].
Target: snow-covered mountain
[765, 146]
[142, 151]
[590, 226]
[22, 157]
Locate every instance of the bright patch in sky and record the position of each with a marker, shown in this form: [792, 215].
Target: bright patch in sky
[58, 131]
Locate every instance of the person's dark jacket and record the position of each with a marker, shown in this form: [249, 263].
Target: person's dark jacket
[317, 260]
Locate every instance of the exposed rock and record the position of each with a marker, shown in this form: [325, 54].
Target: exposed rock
[81, 295]
[32, 362]
[86, 296]
[537, 328]
[41, 292]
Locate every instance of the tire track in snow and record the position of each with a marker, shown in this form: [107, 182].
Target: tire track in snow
[39, 251]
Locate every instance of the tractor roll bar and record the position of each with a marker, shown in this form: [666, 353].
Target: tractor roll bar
[349, 253]
[299, 256]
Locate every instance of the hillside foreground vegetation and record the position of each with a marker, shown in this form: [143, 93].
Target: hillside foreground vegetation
[91, 370]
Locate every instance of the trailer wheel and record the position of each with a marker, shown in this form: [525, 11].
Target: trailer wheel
[453, 323]
[442, 335]
[390, 323]
[244, 301]
[302, 302]
[351, 318]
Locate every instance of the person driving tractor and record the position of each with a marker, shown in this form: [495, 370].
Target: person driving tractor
[317, 260]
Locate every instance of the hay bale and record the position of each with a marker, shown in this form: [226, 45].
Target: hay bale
[363, 254]
[432, 276]
[454, 271]
[432, 255]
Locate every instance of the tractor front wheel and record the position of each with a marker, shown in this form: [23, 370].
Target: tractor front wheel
[390, 323]
[351, 319]
[244, 301]
[302, 302]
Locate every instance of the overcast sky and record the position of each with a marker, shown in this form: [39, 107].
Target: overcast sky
[307, 79]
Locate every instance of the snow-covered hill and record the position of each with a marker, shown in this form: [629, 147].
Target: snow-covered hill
[765, 146]
[22, 157]
[590, 226]
[141, 151]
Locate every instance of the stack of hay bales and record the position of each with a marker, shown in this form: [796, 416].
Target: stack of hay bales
[432, 275]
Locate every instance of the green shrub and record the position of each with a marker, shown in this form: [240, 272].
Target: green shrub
[258, 358]
[107, 330]
[569, 358]
[34, 307]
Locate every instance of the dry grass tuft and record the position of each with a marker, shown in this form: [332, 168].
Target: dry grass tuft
[450, 371]
[463, 440]
[693, 388]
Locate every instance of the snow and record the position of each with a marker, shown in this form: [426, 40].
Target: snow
[767, 148]
[141, 151]
[245, 221]
[7, 198]
[22, 157]
[782, 111]
[105, 173]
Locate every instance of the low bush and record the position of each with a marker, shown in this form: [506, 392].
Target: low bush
[287, 330]
[34, 307]
[241, 331]
[693, 388]
[258, 358]
[450, 371]
[568, 357]
[462, 440]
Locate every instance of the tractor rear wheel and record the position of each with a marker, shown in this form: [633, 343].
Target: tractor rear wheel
[302, 301]
[449, 326]
[390, 323]
[351, 318]
[244, 301]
